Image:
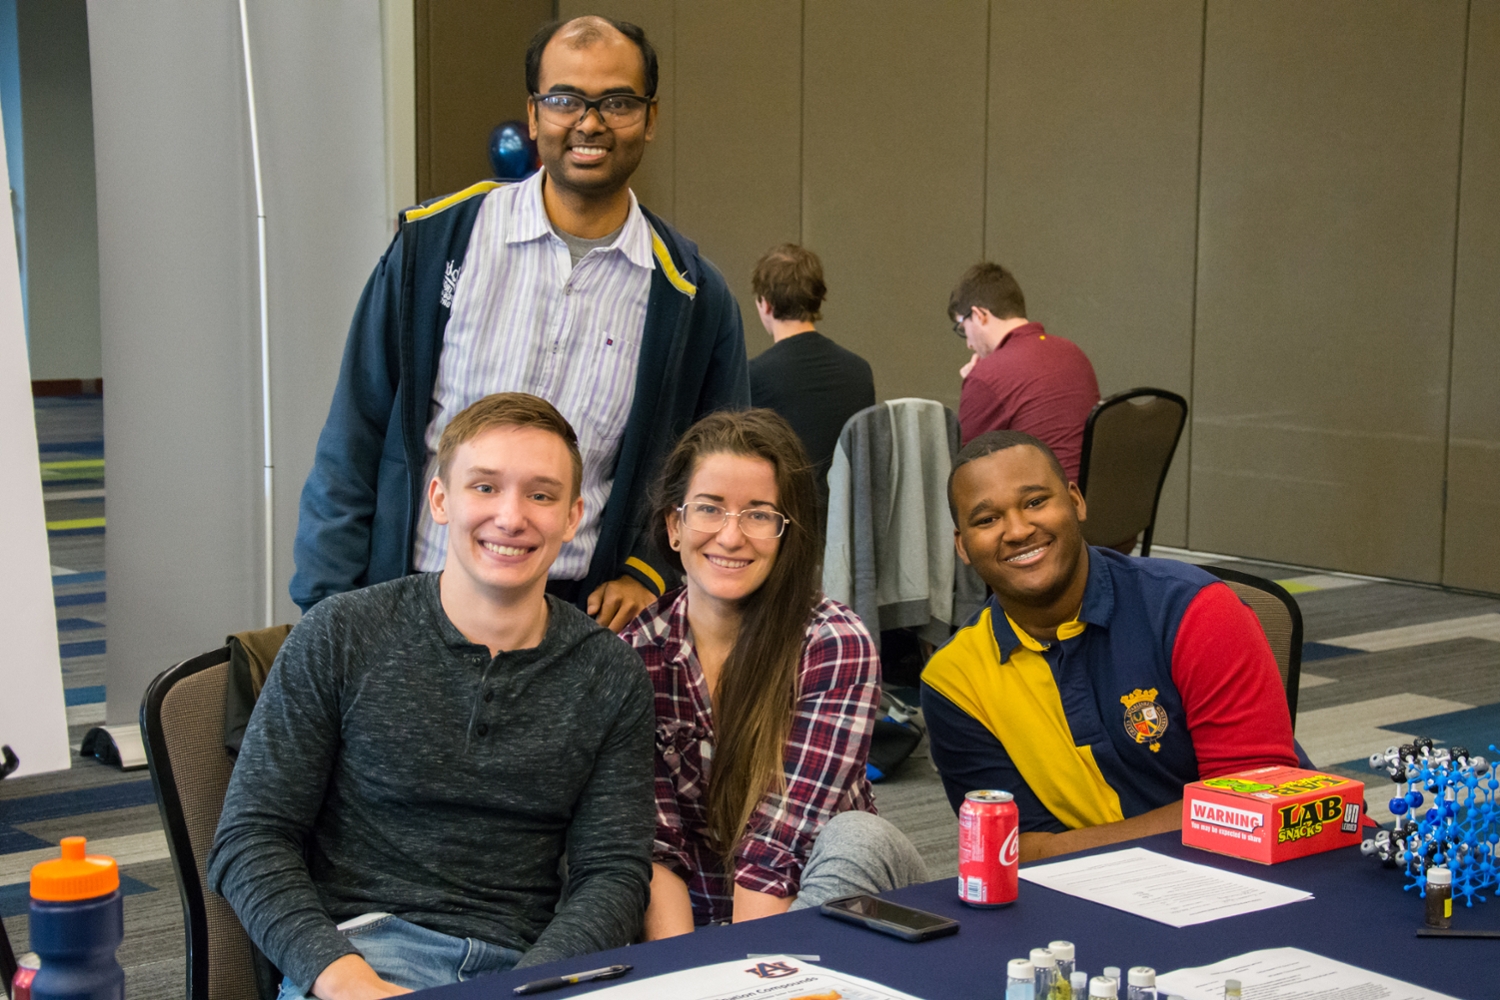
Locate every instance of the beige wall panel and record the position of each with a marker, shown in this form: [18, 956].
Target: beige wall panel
[471, 76]
[739, 136]
[1092, 188]
[893, 179]
[1472, 546]
[653, 182]
[1325, 281]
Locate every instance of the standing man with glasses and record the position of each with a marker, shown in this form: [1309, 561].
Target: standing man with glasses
[1021, 378]
[562, 286]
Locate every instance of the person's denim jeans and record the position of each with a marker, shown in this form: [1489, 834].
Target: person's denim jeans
[415, 957]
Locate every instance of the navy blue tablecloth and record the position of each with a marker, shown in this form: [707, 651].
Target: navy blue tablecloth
[1359, 914]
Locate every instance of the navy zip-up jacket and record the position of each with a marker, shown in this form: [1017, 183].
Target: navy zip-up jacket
[361, 502]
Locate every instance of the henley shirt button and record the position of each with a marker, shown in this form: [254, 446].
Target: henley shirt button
[483, 729]
[489, 696]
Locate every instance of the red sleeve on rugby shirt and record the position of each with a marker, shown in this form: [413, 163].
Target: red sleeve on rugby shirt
[1230, 687]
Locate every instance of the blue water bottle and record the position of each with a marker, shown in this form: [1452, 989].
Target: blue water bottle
[77, 922]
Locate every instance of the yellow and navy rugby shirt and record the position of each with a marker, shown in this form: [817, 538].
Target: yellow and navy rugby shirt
[1164, 676]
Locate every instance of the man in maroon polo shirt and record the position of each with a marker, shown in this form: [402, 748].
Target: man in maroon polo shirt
[1021, 378]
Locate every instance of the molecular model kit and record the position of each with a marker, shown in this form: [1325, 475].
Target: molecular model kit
[1447, 815]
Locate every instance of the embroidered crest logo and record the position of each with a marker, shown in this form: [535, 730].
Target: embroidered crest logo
[1145, 719]
[450, 284]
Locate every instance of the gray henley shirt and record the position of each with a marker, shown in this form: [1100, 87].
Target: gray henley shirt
[392, 765]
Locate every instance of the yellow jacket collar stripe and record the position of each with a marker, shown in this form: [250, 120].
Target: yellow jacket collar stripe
[423, 211]
[1018, 701]
[664, 258]
[658, 247]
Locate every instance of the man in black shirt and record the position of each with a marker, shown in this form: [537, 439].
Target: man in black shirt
[815, 384]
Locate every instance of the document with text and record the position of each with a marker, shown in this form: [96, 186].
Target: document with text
[1290, 974]
[1168, 890]
[777, 977]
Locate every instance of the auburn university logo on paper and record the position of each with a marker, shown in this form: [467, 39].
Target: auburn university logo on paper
[772, 970]
[1145, 719]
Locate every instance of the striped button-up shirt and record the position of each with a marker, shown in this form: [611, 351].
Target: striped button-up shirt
[833, 718]
[525, 319]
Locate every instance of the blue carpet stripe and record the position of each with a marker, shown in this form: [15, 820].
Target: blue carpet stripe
[74, 600]
[70, 532]
[75, 624]
[13, 841]
[81, 447]
[15, 900]
[64, 579]
[79, 800]
[1313, 651]
[73, 650]
[84, 695]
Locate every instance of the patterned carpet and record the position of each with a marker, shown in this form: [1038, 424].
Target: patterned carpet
[1383, 662]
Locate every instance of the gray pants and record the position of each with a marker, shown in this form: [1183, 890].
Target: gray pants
[858, 852]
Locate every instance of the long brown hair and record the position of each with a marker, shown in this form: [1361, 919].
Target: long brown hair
[758, 685]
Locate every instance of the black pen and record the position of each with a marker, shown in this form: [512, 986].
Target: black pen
[557, 982]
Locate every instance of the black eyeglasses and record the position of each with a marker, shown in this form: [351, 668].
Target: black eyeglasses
[755, 522]
[615, 110]
[958, 325]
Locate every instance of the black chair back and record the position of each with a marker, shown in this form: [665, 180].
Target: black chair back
[182, 721]
[1128, 444]
[1280, 619]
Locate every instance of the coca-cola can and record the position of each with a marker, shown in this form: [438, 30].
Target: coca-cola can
[26, 970]
[989, 848]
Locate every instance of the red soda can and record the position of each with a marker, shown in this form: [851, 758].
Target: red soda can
[989, 848]
[26, 968]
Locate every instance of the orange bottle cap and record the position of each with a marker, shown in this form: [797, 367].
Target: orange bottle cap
[75, 875]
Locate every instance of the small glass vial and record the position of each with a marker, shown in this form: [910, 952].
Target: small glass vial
[1063, 952]
[1232, 989]
[1102, 988]
[1020, 980]
[1080, 983]
[1141, 983]
[1045, 964]
[1439, 897]
[1112, 972]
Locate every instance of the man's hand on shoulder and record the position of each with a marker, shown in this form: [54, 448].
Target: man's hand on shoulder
[351, 978]
[615, 603]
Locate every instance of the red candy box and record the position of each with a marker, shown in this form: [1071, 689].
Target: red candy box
[1272, 814]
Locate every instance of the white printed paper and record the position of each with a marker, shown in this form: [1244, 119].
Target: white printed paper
[1291, 974]
[777, 977]
[1167, 890]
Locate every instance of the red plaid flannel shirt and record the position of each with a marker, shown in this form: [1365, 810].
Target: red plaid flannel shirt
[838, 697]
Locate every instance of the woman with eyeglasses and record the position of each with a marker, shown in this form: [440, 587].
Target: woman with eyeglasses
[766, 693]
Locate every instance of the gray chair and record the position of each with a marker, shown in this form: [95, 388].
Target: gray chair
[1128, 443]
[1280, 619]
[182, 722]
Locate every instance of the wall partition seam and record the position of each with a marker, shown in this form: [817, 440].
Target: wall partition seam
[268, 467]
[1187, 515]
[1458, 201]
[984, 163]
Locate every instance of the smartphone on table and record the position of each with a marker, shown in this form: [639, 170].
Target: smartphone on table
[890, 918]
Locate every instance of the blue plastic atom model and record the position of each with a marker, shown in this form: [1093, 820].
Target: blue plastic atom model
[1460, 826]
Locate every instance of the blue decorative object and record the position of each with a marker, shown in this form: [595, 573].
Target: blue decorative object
[512, 152]
[1459, 831]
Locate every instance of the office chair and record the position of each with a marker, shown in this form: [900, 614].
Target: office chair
[1280, 619]
[1128, 443]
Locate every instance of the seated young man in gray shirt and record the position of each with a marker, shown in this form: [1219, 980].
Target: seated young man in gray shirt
[425, 750]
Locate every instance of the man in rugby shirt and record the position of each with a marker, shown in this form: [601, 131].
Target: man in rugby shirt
[1093, 685]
